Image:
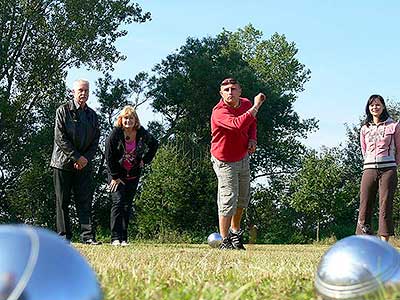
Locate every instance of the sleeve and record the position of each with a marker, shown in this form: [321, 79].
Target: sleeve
[152, 145]
[397, 143]
[222, 117]
[113, 166]
[253, 131]
[91, 151]
[61, 137]
[362, 141]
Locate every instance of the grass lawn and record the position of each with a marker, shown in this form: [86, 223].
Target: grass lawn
[185, 271]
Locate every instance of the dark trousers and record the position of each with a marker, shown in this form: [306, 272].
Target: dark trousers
[374, 180]
[121, 209]
[78, 183]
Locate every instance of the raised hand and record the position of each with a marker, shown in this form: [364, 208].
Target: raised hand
[259, 99]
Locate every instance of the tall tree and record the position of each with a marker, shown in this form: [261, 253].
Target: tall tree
[185, 89]
[40, 41]
[187, 85]
[319, 190]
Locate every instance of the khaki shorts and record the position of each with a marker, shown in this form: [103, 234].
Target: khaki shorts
[233, 185]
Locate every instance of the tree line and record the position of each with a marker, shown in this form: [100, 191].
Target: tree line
[299, 195]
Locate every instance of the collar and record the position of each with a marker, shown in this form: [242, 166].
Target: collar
[75, 106]
[387, 121]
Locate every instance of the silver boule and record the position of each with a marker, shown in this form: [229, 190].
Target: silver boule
[214, 240]
[356, 267]
[37, 264]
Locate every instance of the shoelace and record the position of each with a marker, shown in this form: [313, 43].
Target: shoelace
[236, 237]
[226, 244]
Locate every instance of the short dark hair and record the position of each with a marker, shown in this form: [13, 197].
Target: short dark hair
[229, 80]
[384, 115]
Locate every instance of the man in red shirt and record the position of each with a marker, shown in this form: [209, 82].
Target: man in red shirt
[234, 136]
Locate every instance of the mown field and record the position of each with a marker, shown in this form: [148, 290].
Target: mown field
[185, 271]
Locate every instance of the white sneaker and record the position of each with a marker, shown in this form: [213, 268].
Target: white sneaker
[115, 243]
[124, 243]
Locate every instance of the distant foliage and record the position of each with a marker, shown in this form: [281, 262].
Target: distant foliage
[178, 195]
[299, 195]
[40, 41]
[319, 190]
[183, 90]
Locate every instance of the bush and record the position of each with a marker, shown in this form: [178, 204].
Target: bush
[178, 195]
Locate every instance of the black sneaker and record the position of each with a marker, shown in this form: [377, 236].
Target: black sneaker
[364, 229]
[236, 239]
[91, 242]
[226, 244]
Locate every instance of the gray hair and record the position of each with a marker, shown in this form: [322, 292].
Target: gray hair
[76, 82]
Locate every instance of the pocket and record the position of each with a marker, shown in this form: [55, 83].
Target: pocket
[214, 161]
[390, 130]
[218, 165]
[388, 135]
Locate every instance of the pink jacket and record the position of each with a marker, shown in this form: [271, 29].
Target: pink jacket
[380, 144]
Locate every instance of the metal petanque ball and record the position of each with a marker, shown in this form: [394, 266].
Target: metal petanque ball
[358, 267]
[37, 264]
[214, 240]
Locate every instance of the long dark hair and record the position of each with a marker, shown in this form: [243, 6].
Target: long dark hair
[384, 115]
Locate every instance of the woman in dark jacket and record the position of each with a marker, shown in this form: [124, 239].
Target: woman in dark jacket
[128, 148]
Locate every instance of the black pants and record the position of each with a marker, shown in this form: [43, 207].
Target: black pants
[78, 183]
[121, 209]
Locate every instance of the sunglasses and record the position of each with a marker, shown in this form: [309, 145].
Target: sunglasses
[229, 81]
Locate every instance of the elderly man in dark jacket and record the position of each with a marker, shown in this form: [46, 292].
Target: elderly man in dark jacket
[76, 138]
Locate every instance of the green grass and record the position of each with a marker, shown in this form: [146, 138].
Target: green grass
[185, 271]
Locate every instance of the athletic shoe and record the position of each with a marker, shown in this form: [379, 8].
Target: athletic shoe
[91, 242]
[115, 243]
[365, 229]
[236, 239]
[124, 243]
[226, 244]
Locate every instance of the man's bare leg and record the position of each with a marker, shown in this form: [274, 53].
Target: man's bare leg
[236, 219]
[224, 223]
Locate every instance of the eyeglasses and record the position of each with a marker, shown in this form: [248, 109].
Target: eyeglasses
[229, 81]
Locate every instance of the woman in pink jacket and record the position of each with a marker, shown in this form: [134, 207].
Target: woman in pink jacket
[380, 145]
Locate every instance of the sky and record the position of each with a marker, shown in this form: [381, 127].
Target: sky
[352, 48]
